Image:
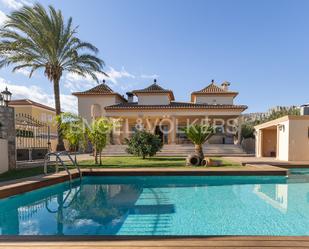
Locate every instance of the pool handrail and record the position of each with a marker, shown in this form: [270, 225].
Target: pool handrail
[58, 158]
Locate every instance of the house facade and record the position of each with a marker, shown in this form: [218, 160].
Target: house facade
[38, 111]
[156, 110]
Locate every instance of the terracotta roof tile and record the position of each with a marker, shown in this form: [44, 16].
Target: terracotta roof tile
[155, 88]
[102, 89]
[213, 88]
[173, 105]
[99, 89]
[29, 102]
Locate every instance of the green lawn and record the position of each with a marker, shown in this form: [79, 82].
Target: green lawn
[134, 162]
[113, 162]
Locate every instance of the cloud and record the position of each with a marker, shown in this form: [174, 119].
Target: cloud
[35, 93]
[114, 75]
[23, 71]
[3, 17]
[149, 76]
[15, 4]
[75, 82]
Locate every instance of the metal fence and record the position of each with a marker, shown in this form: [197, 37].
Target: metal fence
[32, 137]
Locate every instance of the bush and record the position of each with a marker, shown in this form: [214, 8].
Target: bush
[143, 144]
[247, 131]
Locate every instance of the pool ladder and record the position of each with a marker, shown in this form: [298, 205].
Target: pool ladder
[58, 159]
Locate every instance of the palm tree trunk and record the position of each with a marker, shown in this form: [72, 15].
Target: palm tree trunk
[60, 144]
[199, 151]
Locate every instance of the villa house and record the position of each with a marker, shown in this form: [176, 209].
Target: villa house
[37, 111]
[157, 111]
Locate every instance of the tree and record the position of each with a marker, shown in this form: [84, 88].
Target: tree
[199, 134]
[247, 131]
[143, 144]
[247, 128]
[36, 38]
[97, 134]
[73, 130]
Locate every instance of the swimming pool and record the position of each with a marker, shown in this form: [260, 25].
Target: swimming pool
[159, 205]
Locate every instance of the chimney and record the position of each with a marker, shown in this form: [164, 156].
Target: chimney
[130, 97]
[225, 85]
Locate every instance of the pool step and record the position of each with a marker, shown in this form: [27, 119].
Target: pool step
[151, 214]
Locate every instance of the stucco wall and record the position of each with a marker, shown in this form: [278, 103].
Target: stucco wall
[40, 114]
[283, 141]
[299, 141]
[225, 100]
[153, 99]
[85, 103]
[4, 160]
[269, 141]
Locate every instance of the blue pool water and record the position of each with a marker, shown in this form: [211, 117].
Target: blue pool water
[174, 205]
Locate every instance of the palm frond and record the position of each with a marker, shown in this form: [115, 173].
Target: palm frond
[35, 37]
[199, 134]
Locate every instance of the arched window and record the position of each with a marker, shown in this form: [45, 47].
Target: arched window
[95, 111]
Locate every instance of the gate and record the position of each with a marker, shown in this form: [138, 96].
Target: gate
[32, 137]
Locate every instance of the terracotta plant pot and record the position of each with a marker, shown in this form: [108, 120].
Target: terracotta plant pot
[210, 162]
[193, 160]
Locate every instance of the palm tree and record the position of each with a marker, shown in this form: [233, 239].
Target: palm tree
[39, 38]
[199, 134]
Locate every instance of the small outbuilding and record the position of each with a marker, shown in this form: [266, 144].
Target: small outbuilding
[285, 138]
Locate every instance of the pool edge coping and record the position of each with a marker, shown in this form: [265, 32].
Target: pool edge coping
[23, 185]
[122, 238]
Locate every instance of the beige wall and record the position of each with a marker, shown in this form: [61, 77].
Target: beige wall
[299, 141]
[85, 104]
[4, 165]
[153, 99]
[40, 114]
[269, 140]
[23, 109]
[283, 141]
[222, 100]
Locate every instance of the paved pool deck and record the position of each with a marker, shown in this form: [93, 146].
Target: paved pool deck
[268, 161]
[85, 242]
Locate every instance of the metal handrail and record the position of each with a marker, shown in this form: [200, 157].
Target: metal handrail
[65, 199]
[58, 158]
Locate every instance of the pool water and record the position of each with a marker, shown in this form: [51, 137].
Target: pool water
[156, 205]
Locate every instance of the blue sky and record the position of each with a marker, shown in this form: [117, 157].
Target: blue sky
[261, 47]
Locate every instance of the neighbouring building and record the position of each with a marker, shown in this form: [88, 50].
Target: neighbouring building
[34, 115]
[157, 110]
[285, 138]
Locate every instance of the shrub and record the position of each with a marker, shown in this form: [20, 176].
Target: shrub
[199, 134]
[143, 144]
[72, 129]
[247, 131]
[97, 134]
